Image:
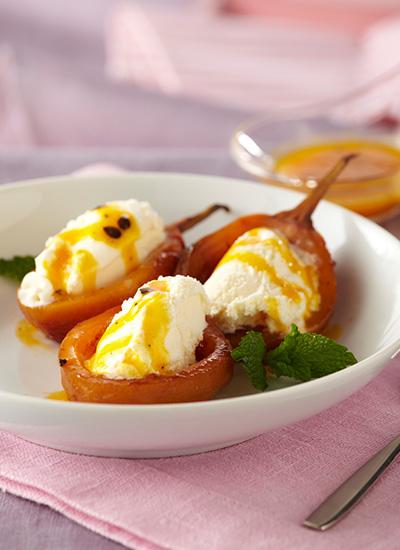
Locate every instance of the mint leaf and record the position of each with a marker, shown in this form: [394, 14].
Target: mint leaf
[251, 354]
[304, 356]
[301, 356]
[17, 267]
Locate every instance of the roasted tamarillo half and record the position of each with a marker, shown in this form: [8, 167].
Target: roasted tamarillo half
[200, 260]
[212, 371]
[60, 316]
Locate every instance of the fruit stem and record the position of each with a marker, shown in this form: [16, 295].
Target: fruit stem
[191, 221]
[302, 213]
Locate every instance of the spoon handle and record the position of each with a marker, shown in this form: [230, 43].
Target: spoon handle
[343, 499]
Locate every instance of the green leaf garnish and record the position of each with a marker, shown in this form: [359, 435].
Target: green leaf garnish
[304, 356]
[251, 352]
[301, 356]
[17, 267]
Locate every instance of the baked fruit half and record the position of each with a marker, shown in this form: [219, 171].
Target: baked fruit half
[160, 347]
[265, 272]
[99, 260]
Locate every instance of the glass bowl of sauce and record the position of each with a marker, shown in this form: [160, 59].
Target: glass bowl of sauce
[297, 148]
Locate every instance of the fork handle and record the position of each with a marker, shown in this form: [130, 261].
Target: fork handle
[343, 499]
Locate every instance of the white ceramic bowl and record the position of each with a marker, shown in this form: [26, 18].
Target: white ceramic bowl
[368, 312]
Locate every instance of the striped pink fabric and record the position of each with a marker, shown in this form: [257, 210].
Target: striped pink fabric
[230, 60]
[353, 16]
[15, 129]
[254, 63]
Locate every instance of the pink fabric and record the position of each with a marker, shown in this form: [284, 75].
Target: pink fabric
[350, 16]
[257, 63]
[15, 127]
[102, 168]
[253, 495]
[243, 62]
[52, 95]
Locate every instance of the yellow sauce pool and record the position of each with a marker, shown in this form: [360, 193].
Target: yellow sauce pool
[29, 335]
[58, 396]
[369, 185]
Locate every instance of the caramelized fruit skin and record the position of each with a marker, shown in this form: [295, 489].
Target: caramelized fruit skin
[199, 382]
[59, 317]
[200, 260]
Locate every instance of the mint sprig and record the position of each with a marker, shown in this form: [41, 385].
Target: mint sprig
[301, 356]
[250, 353]
[17, 267]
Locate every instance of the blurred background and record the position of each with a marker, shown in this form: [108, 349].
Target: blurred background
[178, 73]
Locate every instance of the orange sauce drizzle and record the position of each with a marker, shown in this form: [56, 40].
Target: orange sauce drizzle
[60, 265]
[334, 331]
[58, 396]
[291, 290]
[28, 334]
[154, 330]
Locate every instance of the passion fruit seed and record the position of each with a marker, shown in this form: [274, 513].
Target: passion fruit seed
[124, 222]
[112, 232]
[62, 362]
[146, 290]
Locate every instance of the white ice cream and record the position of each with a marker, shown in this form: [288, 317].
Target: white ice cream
[263, 279]
[92, 251]
[157, 331]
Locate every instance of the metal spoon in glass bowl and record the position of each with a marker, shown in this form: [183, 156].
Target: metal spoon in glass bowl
[292, 148]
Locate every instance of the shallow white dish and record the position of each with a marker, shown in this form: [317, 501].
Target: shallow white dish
[368, 312]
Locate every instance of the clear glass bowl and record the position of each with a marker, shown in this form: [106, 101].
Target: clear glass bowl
[295, 148]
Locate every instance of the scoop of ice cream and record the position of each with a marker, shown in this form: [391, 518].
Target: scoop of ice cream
[92, 251]
[157, 331]
[263, 280]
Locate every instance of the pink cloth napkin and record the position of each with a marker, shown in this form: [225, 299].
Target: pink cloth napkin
[15, 127]
[275, 61]
[51, 95]
[346, 15]
[238, 61]
[252, 495]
